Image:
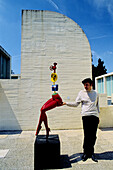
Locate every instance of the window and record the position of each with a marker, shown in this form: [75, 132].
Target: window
[108, 85]
[100, 85]
[112, 83]
[4, 67]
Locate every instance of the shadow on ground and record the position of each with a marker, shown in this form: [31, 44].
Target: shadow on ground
[75, 157]
[12, 132]
[105, 155]
[106, 129]
[65, 162]
[100, 156]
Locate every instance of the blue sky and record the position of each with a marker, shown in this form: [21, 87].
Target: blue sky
[95, 17]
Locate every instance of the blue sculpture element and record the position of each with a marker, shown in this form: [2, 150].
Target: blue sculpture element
[55, 87]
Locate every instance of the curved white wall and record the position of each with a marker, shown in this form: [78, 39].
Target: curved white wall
[49, 37]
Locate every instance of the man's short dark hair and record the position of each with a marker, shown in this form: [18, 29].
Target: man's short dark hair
[87, 80]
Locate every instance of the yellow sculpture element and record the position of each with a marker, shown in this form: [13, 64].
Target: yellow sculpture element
[54, 77]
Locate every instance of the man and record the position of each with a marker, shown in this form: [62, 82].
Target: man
[90, 117]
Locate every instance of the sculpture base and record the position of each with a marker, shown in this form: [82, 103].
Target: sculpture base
[47, 152]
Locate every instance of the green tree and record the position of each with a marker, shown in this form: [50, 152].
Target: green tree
[98, 70]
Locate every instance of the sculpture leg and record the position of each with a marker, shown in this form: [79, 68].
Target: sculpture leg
[46, 126]
[40, 122]
[50, 104]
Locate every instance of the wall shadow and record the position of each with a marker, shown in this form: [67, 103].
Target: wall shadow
[10, 132]
[8, 120]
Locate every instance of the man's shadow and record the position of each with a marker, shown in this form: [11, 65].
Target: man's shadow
[108, 155]
[105, 155]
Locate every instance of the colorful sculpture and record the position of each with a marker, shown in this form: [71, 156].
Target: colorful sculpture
[55, 101]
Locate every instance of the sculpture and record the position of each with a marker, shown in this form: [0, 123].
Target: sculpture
[55, 101]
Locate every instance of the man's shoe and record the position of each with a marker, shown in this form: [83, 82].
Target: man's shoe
[94, 158]
[84, 157]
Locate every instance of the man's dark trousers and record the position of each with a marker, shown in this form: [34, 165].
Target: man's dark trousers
[90, 124]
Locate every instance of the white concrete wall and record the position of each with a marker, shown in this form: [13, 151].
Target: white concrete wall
[47, 37]
[103, 100]
[106, 117]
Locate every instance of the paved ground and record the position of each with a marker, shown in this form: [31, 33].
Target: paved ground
[17, 150]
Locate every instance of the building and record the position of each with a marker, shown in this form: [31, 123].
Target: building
[47, 37]
[5, 64]
[104, 86]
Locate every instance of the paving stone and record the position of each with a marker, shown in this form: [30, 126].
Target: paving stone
[3, 152]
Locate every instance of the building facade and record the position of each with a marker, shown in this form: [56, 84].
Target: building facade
[5, 64]
[47, 37]
[104, 85]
